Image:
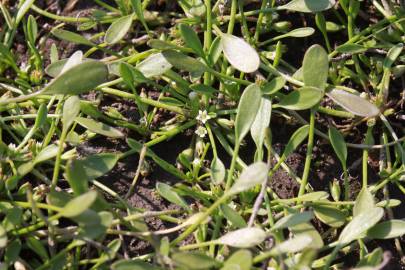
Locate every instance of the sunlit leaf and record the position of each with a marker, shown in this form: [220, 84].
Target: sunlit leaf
[315, 67]
[184, 62]
[339, 145]
[388, 229]
[79, 204]
[193, 260]
[308, 5]
[330, 215]
[171, 195]
[302, 99]
[364, 202]
[99, 128]
[240, 54]
[191, 39]
[292, 245]
[241, 260]
[218, 171]
[233, 217]
[253, 175]
[154, 65]
[79, 79]
[354, 104]
[118, 29]
[248, 107]
[243, 238]
[360, 224]
[292, 220]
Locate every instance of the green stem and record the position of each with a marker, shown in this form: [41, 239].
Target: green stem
[201, 218]
[232, 168]
[308, 158]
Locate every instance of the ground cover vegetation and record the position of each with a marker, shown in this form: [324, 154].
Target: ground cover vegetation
[200, 134]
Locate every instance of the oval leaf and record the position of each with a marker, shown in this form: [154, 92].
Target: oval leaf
[302, 99]
[79, 79]
[191, 39]
[241, 260]
[243, 238]
[79, 204]
[354, 104]
[154, 65]
[261, 122]
[184, 62]
[308, 5]
[99, 128]
[364, 202]
[171, 195]
[292, 220]
[330, 216]
[253, 175]
[315, 67]
[292, 245]
[360, 224]
[388, 229]
[218, 171]
[194, 260]
[240, 54]
[248, 106]
[339, 145]
[118, 29]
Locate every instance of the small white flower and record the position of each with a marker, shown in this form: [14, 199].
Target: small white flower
[196, 162]
[203, 116]
[12, 147]
[201, 131]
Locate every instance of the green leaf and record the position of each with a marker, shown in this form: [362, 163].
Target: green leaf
[118, 29]
[261, 122]
[252, 176]
[191, 39]
[248, 107]
[298, 32]
[315, 67]
[243, 238]
[133, 265]
[388, 229]
[330, 215]
[98, 165]
[184, 62]
[241, 260]
[171, 195]
[392, 55]
[360, 224]
[354, 104]
[302, 99]
[292, 220]
[99, 128]
[3, 237]
[293, 245]
[240, 54]
[36, 246]
[339, 145]
[218, 171]
[75, 59]
[232, 216]
[76, 177]
[296, 139]
[364, 202]
[193, 260]
[23, 10]
[309, 230]
[309, 6]
[71, 110]
[154, 65]
[273, 86]
[351, 48]
[32, 29]
[130, 75]
[137, 6]
[78, 80]
[71, 37]
[79, 204]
